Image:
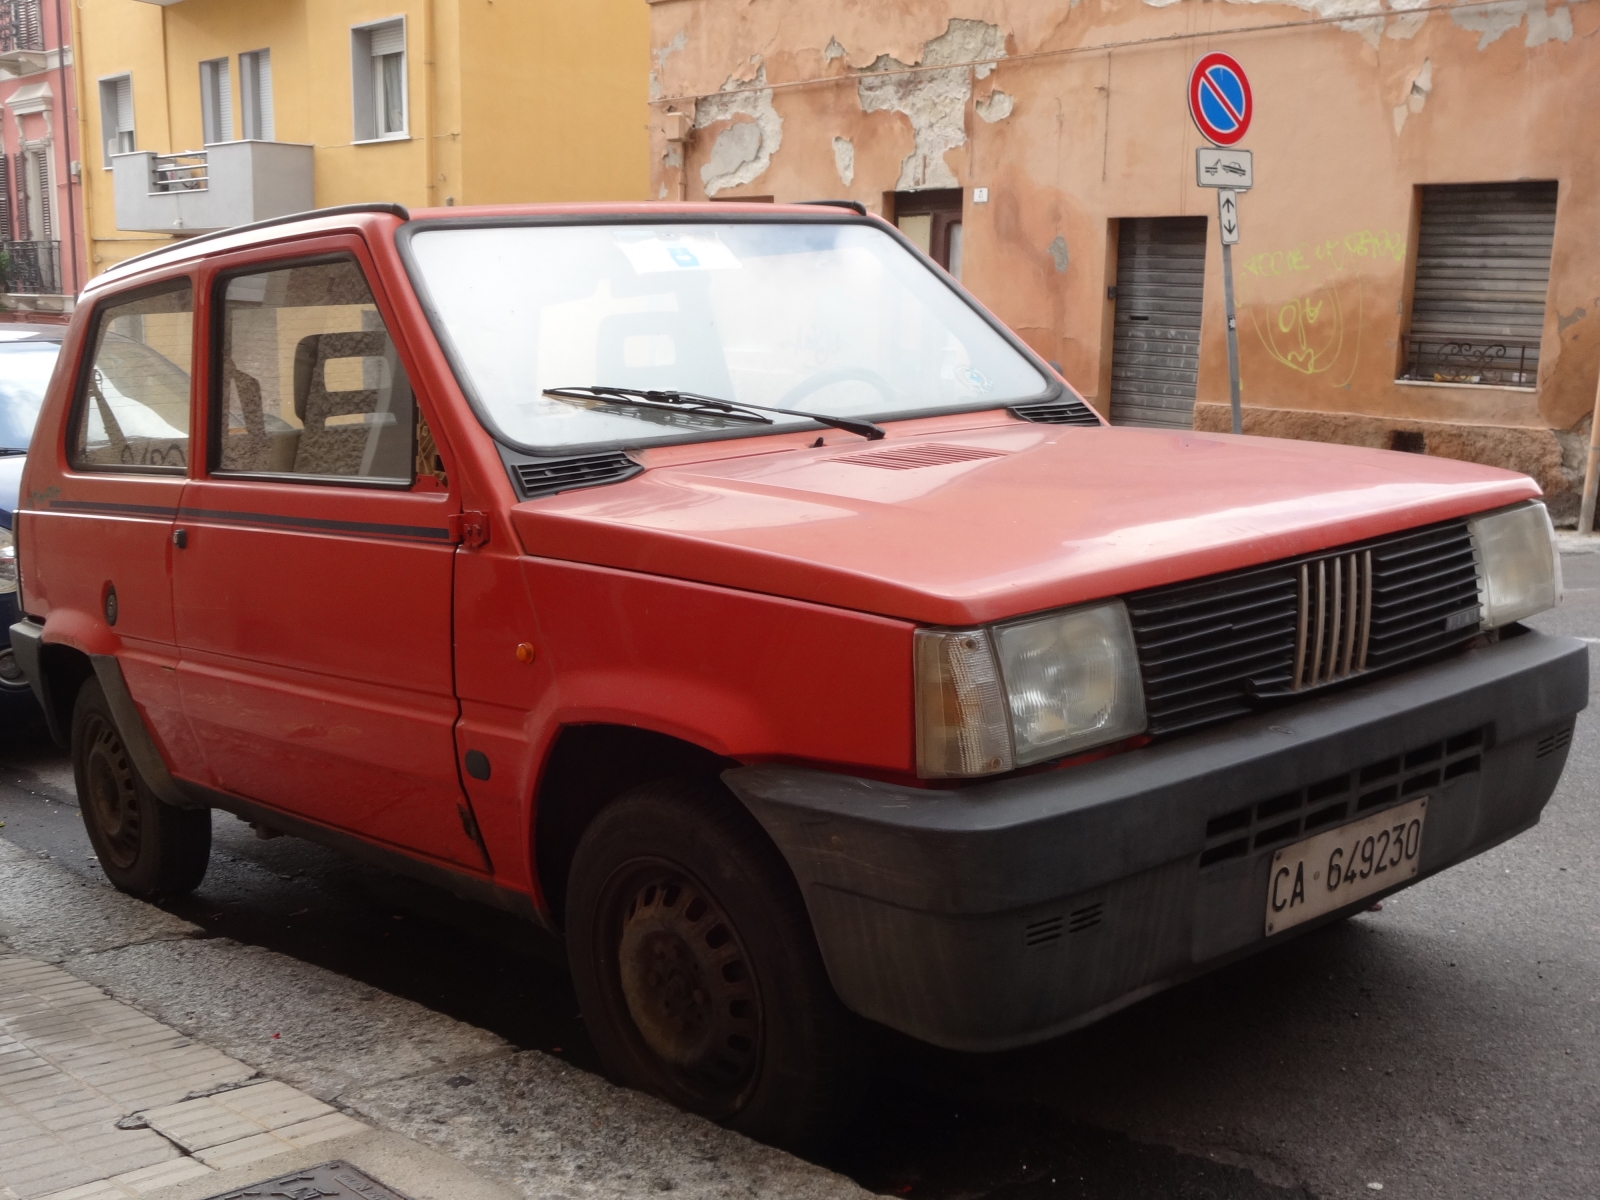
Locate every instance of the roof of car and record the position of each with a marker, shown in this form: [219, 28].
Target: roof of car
[15, 331]
[239, 235]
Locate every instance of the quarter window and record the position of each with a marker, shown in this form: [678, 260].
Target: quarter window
[309, 384]
[378, 75]
[133, 405]
[1482, 272]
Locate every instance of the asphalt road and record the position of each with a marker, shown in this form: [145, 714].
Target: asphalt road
[1447, 1046]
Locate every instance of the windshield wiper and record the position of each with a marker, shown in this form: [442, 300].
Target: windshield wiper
[5, 451]
[693, 402]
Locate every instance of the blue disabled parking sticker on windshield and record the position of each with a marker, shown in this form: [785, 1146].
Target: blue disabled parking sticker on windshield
[691, 250]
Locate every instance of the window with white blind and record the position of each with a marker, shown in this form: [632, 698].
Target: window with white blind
[1482, 272]
[116, 116]
[255, 94]
[216, 102]
[378, 80]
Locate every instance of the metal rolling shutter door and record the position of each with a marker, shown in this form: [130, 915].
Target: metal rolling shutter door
[1155, 355]
[1483, 269]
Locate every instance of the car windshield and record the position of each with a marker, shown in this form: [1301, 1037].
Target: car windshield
[25, 369]
[832, 318]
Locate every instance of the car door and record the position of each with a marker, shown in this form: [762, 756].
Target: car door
[101, 533]
[312, 578]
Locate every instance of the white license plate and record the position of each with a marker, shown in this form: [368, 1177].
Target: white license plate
[1339, 867]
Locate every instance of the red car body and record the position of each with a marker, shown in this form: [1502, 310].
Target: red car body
[414, 671]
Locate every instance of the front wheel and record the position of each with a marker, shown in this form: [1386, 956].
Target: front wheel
[698, 973]
[146, 847]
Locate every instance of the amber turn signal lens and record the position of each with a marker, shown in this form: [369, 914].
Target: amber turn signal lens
[526, 653]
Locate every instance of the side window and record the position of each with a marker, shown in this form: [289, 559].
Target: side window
[133, 403]
[309, 384]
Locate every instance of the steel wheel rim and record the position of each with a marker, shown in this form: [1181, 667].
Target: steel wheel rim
[688, 985]
[112, 794]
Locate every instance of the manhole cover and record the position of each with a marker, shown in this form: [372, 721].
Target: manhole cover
[331, 1179]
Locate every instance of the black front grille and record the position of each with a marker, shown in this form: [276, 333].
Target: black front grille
[1066, 411]
[1345, 797]
[546, 477]
[1219, 647]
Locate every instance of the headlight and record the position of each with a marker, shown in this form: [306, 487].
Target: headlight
[991, 700]
[1519, 570]
[8, 562]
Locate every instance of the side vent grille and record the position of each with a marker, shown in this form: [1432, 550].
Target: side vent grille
[547, 476]
[1551, 742]
[1049, 929]
[1085, 918]
[1056, 412]
[1038, 933]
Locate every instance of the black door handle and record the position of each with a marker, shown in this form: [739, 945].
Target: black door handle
[180, 538]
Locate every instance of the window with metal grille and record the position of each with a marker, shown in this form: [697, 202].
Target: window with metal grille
[1482, 271]
[378, 79]
[255, 94]
[216, 102]
[116, 116]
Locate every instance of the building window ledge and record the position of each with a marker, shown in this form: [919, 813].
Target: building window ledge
[393, 137]
[1482, 387]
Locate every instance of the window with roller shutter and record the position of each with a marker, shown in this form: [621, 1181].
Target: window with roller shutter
[378, 81]
[1482, 272]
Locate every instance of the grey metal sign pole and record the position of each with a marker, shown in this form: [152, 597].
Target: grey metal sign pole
[1228, 227]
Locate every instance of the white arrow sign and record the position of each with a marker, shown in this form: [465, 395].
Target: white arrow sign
[1220, 168]
[1228, 215]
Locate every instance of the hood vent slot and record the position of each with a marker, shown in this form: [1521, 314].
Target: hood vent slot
[547, 476]
[909, 458]
[1069, 411]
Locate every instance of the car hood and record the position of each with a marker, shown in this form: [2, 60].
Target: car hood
[10, 485]
[956, 528]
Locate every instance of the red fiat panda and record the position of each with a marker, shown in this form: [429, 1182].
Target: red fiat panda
[722, 587]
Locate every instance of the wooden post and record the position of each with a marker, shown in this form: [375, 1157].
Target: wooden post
[1591, 475]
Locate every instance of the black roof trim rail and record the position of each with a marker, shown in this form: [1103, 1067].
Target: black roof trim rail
[338, 210]
[854, 206]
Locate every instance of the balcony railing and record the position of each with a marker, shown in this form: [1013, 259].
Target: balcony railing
[1498, 362]
[20, 26]
[185, 171]
[30, 268]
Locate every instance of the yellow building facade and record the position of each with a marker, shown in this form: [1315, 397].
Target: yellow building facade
[202, 113]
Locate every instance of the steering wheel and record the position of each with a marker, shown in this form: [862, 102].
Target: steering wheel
[822, 379]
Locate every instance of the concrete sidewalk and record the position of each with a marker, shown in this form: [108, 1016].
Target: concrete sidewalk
[140, 1058]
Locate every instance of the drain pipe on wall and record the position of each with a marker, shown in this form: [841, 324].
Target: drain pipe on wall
[1591, 475]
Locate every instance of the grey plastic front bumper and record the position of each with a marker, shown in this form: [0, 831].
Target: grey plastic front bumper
[1005, 913]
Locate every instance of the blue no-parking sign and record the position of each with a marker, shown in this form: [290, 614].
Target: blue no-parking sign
[1219, 98]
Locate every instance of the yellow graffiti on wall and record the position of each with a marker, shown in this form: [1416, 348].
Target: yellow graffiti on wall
[1334, 254]
[1318, 333]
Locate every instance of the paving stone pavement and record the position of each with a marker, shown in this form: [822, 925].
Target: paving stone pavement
[141, 1059]
[99, 1100]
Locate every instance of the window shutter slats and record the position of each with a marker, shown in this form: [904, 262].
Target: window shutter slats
[125, 104]
[6, 227]
[46, 217]
[388, 39]
[1482, 274]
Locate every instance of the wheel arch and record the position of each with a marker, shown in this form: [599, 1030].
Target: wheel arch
[589, 767]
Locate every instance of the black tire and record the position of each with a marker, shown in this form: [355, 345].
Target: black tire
[147, 848]
[698, 972]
